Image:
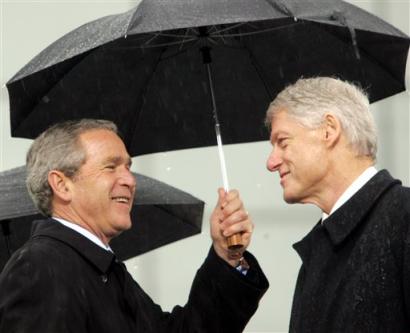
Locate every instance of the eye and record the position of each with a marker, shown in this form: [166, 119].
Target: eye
[110, 167]
[282, 142]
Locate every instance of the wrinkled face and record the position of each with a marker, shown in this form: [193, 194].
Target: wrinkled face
[299, 156]
[103, 188]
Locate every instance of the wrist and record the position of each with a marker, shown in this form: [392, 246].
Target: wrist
[242, 266]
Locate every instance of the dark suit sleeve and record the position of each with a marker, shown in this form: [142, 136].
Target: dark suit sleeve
[405, 212]
[32, 302]
[221, 300]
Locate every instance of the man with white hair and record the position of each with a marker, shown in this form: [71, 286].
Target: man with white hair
[355, 273]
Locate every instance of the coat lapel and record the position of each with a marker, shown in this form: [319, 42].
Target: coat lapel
[348, 217]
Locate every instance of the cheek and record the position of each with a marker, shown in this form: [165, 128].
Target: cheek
[307, 159]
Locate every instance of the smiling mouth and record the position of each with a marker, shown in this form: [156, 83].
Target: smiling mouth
[282, 177]
[284, 174]
[125, 200]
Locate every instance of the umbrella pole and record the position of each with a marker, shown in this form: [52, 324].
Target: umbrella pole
[218, 134]
[234, 241]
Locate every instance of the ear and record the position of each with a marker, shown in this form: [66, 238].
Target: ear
[332, 130]
[59, 183]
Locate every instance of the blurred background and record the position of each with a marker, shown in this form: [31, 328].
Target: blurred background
[166, 274]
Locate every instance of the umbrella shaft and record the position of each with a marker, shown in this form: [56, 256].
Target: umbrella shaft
[221, 157]
[211, 88]
[217, 130]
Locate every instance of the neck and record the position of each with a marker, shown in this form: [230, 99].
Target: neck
[343, 174]
[68, 215]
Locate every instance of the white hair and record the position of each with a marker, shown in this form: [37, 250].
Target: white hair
[308, 100]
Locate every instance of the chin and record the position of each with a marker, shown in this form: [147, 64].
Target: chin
[290, 199]
[123, 224]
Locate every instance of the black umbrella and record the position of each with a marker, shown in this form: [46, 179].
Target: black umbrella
[161, 215]
[144, 69]
[161, 70]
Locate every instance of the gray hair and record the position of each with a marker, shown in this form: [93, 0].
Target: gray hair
[57, 148]
[308, 100]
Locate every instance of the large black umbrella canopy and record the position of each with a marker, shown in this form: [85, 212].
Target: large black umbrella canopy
[161, 214]
[145, 69]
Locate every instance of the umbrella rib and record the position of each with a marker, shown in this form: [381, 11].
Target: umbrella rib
[213, 27]
[256, 32]
[151, 39]
[174, 35]
[183, 41]
[134, 123]
[160, 34]
[258, 70]
[180, 51]
[228, 28]
[168, 44]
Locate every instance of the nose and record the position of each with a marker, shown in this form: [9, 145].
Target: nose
[127, 178]
[274, 160]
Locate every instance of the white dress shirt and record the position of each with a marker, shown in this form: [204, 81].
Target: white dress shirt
[84, 232]
[352, 189]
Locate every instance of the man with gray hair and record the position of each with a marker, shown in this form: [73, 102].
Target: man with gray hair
[355, 269]
[66, 277]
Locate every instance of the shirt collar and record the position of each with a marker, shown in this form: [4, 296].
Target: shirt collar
[359, 182]
[345, 219]
[84, 232]
[96, 255]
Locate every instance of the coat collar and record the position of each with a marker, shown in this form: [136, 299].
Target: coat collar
[345, 219]
[99, 257]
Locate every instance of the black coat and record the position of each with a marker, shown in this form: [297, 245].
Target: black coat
[60, 282]
[355, 275]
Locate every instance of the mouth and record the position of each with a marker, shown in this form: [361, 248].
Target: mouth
[122, 199]
[282, 176]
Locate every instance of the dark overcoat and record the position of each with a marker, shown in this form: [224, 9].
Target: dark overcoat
[60, 281]
[355, 274]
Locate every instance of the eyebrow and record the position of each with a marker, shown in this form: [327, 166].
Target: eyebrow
[118, 160]
[275, 136]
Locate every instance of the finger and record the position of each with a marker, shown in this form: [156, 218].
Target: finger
[232, 206]
[232, 195]
[236, 217]
[243, 228]
[221, 197]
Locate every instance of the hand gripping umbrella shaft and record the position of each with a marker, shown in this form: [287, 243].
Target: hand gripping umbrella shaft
[234, 241]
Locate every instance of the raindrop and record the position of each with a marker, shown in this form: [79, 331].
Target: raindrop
[281, 72]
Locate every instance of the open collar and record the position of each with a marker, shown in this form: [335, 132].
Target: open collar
[344, 220]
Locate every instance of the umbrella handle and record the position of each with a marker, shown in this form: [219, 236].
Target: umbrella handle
[234, 242]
